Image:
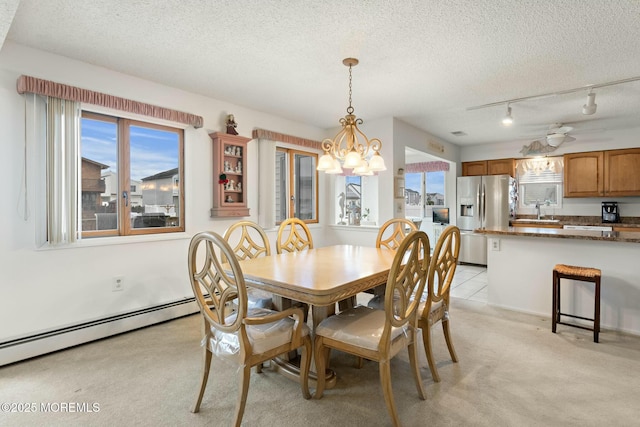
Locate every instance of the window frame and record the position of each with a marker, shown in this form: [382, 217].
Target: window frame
[291, 183]
[124, 180]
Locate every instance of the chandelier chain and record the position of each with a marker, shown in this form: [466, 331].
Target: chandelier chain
[350, 108]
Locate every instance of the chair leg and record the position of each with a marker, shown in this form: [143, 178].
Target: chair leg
[321, 357]
[415, 367]
[447, 337]
[243, 384]
[385, 381]
[305, 365]
[426, 341]
[206, 366]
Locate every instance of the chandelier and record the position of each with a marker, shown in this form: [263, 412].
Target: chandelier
[351, 145]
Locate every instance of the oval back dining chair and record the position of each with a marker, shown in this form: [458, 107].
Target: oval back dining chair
[250, 240]
[390, 235]
[442, 268]
[393, 232]
[379, 335]
[293, 236]
[232, 331]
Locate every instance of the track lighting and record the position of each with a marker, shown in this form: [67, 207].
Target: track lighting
[508, 120]
[591, 106]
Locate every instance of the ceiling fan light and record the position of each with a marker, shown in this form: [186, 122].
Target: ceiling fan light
[352, 160]
[555, 139]
[590, 107]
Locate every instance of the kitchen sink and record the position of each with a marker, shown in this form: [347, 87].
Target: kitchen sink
[536, 221]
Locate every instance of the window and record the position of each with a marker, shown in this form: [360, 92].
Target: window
[423, 191]
[143, 158]
[296, 185]
[540, 181]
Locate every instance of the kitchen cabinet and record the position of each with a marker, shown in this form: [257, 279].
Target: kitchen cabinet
[611, 173]
[584, 174]
[489, 167]
[229, 175]
[477, 168]
[501, 167]
[622, 172]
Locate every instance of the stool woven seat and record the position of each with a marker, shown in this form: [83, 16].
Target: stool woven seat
[584, 274]
[571, 270]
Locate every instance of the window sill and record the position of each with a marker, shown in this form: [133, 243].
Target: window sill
[117, 240]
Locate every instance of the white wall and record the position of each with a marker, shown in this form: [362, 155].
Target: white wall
[625, 138]
[48, 289]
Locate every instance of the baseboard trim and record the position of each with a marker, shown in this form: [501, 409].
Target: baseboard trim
[36, 345]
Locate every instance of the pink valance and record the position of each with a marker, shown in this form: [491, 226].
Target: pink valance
[427, 167]
[72, 93]
[275, 136]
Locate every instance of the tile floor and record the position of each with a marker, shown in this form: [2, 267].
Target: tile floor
[470, 282]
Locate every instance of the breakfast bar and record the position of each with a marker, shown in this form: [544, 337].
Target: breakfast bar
[521, 259]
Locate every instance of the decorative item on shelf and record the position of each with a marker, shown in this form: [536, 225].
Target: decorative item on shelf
[227, 166]
[231, 125]
[347, 147]
[239, 166]
[229, 199]
[223, 179]
[231, 185]
[239, 186]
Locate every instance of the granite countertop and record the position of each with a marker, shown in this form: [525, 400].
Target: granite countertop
[627, 222]
[611, 236]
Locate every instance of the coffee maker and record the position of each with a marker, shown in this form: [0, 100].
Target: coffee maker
[610, 212]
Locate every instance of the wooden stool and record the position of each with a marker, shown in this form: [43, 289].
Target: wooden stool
[561, 271]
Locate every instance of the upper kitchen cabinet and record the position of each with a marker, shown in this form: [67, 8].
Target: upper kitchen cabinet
[622, 172]
[611, 173]
[488, 167]
[584, 174]
[474, 168]
[501, 167]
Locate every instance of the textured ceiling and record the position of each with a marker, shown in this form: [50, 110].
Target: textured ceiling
[422, 61]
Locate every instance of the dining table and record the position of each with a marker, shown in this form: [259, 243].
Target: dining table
[319, 277]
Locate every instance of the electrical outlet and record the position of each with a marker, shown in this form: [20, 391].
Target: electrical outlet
[117, 284]
[495, 244]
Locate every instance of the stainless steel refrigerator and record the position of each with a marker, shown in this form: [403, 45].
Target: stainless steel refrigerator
[483, 202]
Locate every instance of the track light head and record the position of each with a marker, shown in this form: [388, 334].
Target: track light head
[507, 120]
[590, 107]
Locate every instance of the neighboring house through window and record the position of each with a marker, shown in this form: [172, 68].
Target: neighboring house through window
[131, 177]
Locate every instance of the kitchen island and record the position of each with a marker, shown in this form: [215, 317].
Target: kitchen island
[521, 259]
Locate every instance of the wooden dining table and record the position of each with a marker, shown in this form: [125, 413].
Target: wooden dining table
[319, 277]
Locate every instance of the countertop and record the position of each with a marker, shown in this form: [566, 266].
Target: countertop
[626, 222]
[559, 233]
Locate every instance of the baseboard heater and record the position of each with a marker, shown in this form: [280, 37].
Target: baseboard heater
[46, 342]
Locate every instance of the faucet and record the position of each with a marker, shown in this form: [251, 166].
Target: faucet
[538, 208]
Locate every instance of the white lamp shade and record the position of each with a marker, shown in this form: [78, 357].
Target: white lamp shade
[325, 162]
[362, 169]
[336, 168]
[352, 160]
[376, 163]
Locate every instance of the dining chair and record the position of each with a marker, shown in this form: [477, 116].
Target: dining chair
[435, 309]
[379, 335]
[232, 331]
[390, 235]
[248, 240]
[293, 236]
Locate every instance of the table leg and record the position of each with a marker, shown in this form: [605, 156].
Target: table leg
[290, 366]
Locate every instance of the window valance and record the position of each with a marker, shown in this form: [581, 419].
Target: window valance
[71, 93]
[540, 165]
[427, 167]
[275, 136]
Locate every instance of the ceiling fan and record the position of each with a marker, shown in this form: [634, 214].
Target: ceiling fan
[555, 136]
